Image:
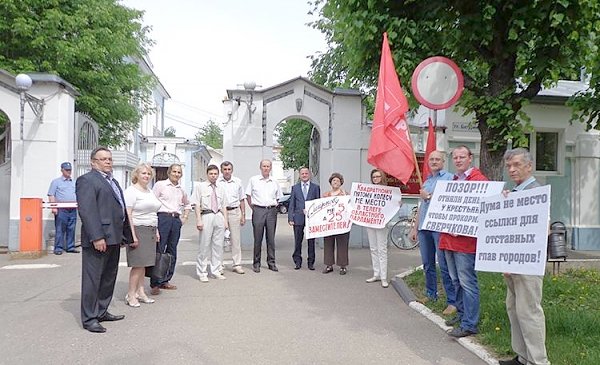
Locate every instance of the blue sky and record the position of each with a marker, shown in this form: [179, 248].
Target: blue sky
[204, 47]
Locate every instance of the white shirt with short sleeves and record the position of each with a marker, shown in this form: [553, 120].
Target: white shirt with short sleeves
[263, 191]
[234, 192]
[144, 205]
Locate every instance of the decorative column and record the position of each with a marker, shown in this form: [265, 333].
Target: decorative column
[586, 193]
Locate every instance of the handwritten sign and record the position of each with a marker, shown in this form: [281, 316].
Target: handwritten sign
[327, 216]
[454, 206]
[374, 205]
[513, 232]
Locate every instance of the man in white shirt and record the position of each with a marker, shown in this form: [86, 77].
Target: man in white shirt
[211, 221]
[263, 193]
[236, 211]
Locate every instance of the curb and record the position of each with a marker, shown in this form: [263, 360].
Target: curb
[410, 299]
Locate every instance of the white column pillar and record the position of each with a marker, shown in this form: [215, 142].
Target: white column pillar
[586, 194]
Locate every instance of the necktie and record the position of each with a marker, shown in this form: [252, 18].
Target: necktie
[305, 190]
[113, 185]
[213, 199]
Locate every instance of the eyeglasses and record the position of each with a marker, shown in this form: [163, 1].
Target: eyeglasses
[376, 176]
[103, 159]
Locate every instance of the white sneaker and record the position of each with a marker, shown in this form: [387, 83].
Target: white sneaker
[238, 269]
[203, 279]
[373, 279]
[384, 283]
[219, 276]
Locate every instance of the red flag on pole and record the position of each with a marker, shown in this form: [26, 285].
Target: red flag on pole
[390, 148]
[431, 146]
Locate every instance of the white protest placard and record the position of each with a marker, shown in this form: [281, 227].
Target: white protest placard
[454, 206]
[513, 232]
[327, 216]
[374, 205]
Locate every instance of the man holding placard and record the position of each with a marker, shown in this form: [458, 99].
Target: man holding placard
[429, 241]
[460, 256]
[524, 292]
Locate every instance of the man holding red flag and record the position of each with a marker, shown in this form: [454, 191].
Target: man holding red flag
[390, 148]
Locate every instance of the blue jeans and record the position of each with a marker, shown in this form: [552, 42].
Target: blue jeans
[169, 228]
[64, 225]
[461, 267]
[429, 242]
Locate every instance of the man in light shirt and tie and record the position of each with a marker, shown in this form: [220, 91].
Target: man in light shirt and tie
[211, 221]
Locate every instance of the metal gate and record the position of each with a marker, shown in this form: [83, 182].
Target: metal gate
[86, 139]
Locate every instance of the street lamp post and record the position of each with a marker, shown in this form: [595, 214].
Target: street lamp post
[23, 82]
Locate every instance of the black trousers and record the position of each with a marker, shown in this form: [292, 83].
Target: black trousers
[98, 276]
[298, 238]
[264, 222]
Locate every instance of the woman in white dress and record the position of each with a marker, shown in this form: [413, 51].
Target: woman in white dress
[142, 205]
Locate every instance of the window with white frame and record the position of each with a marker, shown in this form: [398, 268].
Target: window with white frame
[547, 150]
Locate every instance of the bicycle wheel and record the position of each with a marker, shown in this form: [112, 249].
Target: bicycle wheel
[399, 234]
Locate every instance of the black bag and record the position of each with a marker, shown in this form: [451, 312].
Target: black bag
[160, 268]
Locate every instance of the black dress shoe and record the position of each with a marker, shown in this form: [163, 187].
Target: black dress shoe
[256, 268]
[460, 332]
[311, 267]
[73, 251]
[107, 317]
[298, 266]
[514, 361]
[95, 327]
[273, 268]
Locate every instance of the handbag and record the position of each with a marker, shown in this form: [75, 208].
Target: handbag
[161, 266]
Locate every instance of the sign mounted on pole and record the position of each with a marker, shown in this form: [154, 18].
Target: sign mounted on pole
[437, 83]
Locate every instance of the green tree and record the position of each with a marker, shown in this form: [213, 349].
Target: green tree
[294, 137]
[93, 44]
[170, 132]
[211, 134]
[507, 51]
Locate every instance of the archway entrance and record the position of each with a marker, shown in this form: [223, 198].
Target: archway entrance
[338, 138]
[297, 145]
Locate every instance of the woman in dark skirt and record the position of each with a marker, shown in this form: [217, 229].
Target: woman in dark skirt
[336, 180]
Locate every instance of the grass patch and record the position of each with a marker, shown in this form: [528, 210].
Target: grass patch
[571, 304]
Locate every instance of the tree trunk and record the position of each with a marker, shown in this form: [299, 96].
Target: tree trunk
[491, 162]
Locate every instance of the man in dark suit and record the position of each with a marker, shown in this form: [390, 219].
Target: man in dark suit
[302, 192]
[104, 227]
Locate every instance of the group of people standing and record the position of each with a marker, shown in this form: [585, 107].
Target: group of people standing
[150, 220]
[335, 247]
[456, 259]
[144, 220]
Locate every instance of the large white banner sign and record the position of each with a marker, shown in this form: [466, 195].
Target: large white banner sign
[454, 206]
[513, 232]
[327, 216]
[374, 205]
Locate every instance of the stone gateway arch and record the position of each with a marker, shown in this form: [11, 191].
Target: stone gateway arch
[339, 140]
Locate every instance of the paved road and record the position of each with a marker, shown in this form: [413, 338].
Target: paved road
[290, 317]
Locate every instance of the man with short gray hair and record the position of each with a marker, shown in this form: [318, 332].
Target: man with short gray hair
[263, 193]
[524, 292]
